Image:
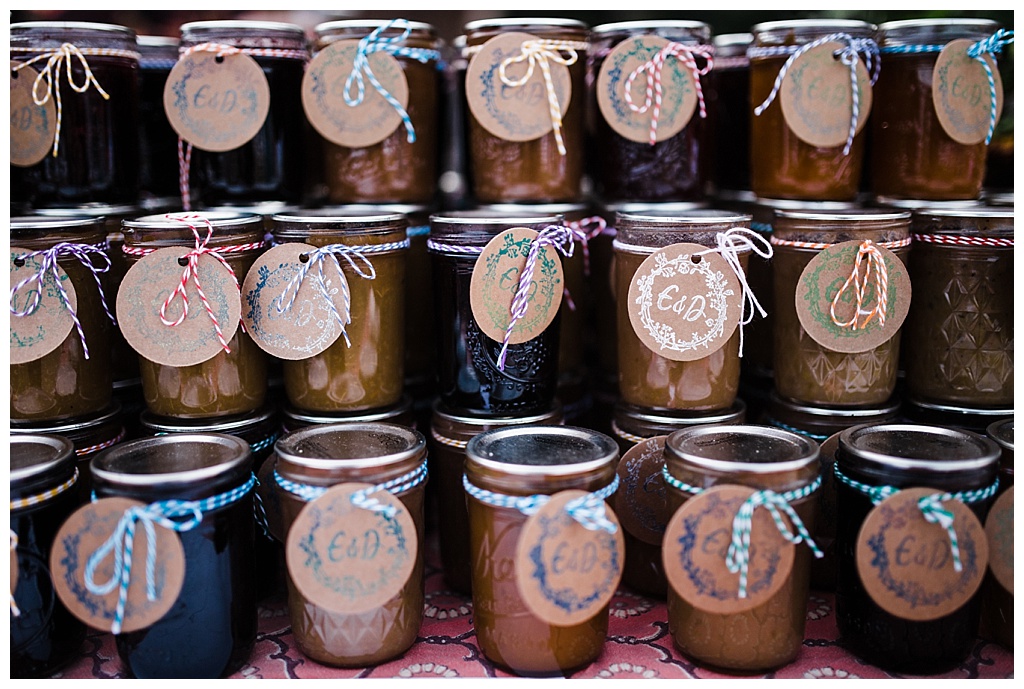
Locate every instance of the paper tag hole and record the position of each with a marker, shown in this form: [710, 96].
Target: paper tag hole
[696, 259]
[303, 258]
[219, 59]
[20, 262]
[14, 74]
[182, 261]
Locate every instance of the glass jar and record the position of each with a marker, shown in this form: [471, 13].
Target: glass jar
[961, 317]
[509, 171]
[469, 380]
[770, 634]
[805, 371]
[673, 169]
[728, 96]
[1002, 433]
[646, 378]
[393, 170]
[904, 456]
[44, 492]
[912, 156]
[327, 456]
[997, 600]
[274, 164]
[97, 157]
[158, 143]
[951, 416]
[524, 461]
[211, 628]
[400, 414]
[67, 382]
[783, 166]
[232, 382]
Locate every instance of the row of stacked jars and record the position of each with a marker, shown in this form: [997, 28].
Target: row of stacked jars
[379, 136]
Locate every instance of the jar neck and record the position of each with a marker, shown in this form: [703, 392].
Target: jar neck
[326, 473]
[552, 32]
[521, 482]
[45, 37]
[417, 38]
[839, 230]
[256, 37]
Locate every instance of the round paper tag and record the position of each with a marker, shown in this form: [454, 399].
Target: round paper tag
[33, 127]
[496, 279]
[684, 306]
[309, 325]
[822, 279]
[146, 287]
[216, 103]
[906, 564]
[513, 113]
[817, 96]
[347, 559]
[697, 542]
[42, 331]
[961, 94]
[566, 573]
[85, 531]
[679, 95]
[267, 489]
[323, 96]
[999, 530]
[641, 502]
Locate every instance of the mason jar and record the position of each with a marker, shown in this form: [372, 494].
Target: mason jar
[158, 143]
[728, 97]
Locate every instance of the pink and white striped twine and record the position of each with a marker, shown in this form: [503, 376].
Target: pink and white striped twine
[653, 68]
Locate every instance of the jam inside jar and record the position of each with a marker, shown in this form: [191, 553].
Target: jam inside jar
[158, 143]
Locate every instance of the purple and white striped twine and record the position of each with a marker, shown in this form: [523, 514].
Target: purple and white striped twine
[49, 265]
[589, 228]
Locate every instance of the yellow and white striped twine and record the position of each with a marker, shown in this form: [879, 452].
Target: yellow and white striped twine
[43, 497]
[625, 435]
[450, 442]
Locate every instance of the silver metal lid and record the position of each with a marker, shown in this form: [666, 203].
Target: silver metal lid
[370, 24]
[850, 215]
[329, 216]
[915, 447]
[263, 208]
[73, 26]
[481, 217]
[246, 25]
[1002, 433]
[641, 24]
[218, 219]
[496, 22]
[542, 450]
[515, 209]
[678, 419]
[826, 26]
[958, 410]
[37, 222]
[355, 445]
[441, 412]
[37, 454]
[157, 42]
[1000, 199]
[404, 406]
[979, 211]
[917, 204]
[733, 39]
[891, 406]
[403, 208]
[78, 423]
[91, 210]
[224, 424]
[895, 26]
[640, 207]
[742, 448]
[661, 215]
[184, 458]
[795, 205]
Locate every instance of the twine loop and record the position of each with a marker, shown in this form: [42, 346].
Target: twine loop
[993, 45]
[587, 510]
[653, 67]
[875, 264]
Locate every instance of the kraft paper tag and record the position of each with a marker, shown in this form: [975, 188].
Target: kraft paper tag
[905, 562]
[684, 306]
[817, 96]
[146, 287]
[33, 127]
[82, 534]
[961, 94]
[309, 326]
[999, 531]
[566, 573]
[822, 279]
[216, 103]
[323, 96]
[42, 331]
[641, 502]
[520, 113]
[679, 94]
[350, 560]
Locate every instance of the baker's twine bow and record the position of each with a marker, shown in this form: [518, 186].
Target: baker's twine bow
[653, 67]
[850, 54]
[875, 266]
[362, 498]
[541, 52]
[48, 267]
[993, 45]
[15, 611]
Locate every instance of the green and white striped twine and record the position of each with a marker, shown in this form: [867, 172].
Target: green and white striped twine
[794, 429]
[361, 498]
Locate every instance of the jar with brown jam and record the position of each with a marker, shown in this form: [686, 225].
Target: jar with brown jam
[805, 370]
[782, 165]
[961, 318]
[769, 632]
[394, 170]
[158, 143]
[912, 155]
[74, 378]
[309, 462]
[45, 490]
[519, 462]
[728, 96]
[232, 382]
[673, 169]
[533, 170]
[97, 153]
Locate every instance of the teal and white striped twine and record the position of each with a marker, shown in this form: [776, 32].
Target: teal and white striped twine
[737, 558]
[361, 498]
[375, 43]
[121, 543]
[418, 231]
[794, 429]
[762, 227]
[587, 510]
[930, 505]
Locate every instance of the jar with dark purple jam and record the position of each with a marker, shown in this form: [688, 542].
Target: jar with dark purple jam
[158, 143]
[997, 597]
[728, 96]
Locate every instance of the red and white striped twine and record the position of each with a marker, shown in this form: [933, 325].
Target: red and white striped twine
[898, 244]
[875, 260]
[86, 451]
[959, 240]
[654, 94]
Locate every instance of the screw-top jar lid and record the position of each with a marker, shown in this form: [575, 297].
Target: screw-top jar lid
[369, 24]
[301, 417]
[220, 220]
[183, 459]
[642, 208]
[35, 223]
[519, 209]
[918, 204]
[222, 424]
[804, 30]
[486, 217]
[749, 449]
[666, 216]
[849, 414]
[934, 31]
[464, 425]
[497, 22]
[807, 206]
[850, 215]
[158, 42]
[1002, 433]
[91, 210]
[262, 208]
[75, 424]
[650, 422]
[669, 28]
[350, 445]
[549, 451]
[57, 27]
[36, 457]
[241, 26]
[406, 209]
[732, 44]
[327, 221]
[881, 448]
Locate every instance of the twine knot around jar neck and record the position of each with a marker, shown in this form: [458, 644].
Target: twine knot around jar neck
[361, 498]
[653, 68]
[993, 45]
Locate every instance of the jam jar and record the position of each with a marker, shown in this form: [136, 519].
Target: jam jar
[400, 413]
[528, 461]
[673, 169]
[771, 633]
[469, 379]
[648, 379]
[997, 600]
[232, 382]
[365, 453]
[806, 371]
[534, 170]
[45, 489]
[951, 415]
[368, 373]
[210, 630]
[961, 317]
[782, 165]
[451, 434]
[912, 156]
[393, 170]
[728, 96]
[69, 381]
[158, 143]
[903, 456]
[97, 153]
[273, 165]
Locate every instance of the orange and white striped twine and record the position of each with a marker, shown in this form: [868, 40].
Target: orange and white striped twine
[45, 495]
[652, 68]
[450, 442]
[91, 449]
[875, 263]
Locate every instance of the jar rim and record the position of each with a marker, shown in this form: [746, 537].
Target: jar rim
[157, 41]
[497, 22]
[218, 219]
[825, 25]
[442, 412]
[681, 419]
[73, 26]
[986, 452]
[222, 424]
[33, 222]
[54, 449]
[326, 216]
[76, 423]
[292, 447]
[794, 204]
[530, 208]
[1003, 436]
[90, 210]
[241, 25]
[981, 212]
[472, 217]
[324, 27]
[480, 451]
[980, 23]
[613, 27]
[851, 215]
[403, 208]
[121, 464]
[743, 38]
[891, 406]
[954, 409]
[639, 207]
[696, 216]
[682, 445]
[263, 208]
[403, 406]
[918, 204]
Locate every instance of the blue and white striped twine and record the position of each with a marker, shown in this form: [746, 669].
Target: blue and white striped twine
[122, 542]
[418, 231]
[361, 498]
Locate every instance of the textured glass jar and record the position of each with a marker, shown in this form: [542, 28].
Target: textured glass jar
[728, 95]
[158, 143]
